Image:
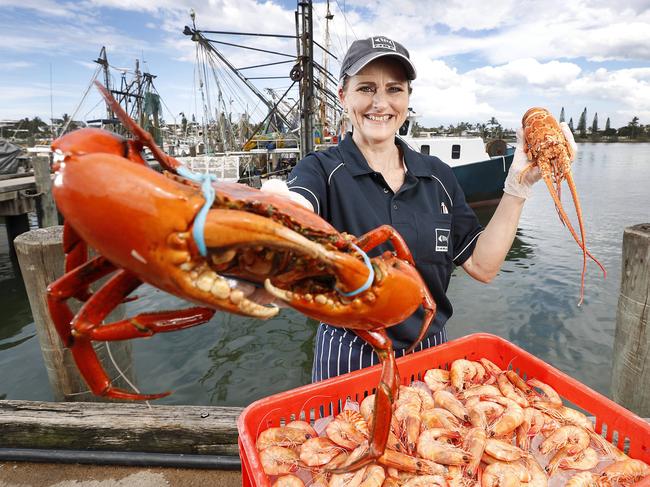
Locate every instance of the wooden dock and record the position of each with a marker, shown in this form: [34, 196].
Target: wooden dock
[26, 194]
[91, 444]
[119, 427]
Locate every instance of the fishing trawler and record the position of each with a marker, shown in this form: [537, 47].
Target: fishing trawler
[480, 168]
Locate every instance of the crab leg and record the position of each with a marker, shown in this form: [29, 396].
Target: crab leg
[72, 284]
[387, 392]
[141, 136]
[87, 326]
[76, 254]
[377, 237]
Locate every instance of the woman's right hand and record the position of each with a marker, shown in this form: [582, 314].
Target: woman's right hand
[279, 187]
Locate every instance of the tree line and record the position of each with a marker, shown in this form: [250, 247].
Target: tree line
[34, 130]
[492, 129]
[633, 130]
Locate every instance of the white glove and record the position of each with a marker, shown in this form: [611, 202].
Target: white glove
[279, 187]
[520, 162]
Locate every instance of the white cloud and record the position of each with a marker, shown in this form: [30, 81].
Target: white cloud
[440, 93]
[630, 88]
[13, 65]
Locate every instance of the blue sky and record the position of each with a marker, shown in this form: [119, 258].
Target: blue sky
[475, 59]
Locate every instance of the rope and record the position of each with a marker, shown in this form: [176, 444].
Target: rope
[371, 275]
[205, 180]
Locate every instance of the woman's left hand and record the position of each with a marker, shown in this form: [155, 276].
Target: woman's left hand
[522, 187]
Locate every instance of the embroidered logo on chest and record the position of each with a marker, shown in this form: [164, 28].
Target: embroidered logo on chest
[442, 239]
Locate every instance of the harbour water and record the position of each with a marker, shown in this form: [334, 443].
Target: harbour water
[533, 303]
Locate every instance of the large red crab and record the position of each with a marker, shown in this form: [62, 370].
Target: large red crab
[157, 228]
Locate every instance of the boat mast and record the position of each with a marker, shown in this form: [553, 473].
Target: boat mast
[323, 105]
[102, 60]
[306, 61]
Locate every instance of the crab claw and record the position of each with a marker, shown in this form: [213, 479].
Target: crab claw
[395, 281]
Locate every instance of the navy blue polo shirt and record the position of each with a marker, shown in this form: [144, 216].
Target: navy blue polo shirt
[429, 211]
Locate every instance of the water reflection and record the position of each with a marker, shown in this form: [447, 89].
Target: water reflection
[521, 251]
[260, 357]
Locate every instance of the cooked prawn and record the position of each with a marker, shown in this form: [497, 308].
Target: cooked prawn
[510, 391]
[532, 424]
[430, 448]
[572, 438]
[283, 436]
[548, 395]
[512, 416]
[319, 451]
[439, 418]
[538, 477]
[585, 460]
[427, 481]
[474, 444]
[500, 474]
[436, 379]
[410, 464]
[461, 372]
[583, 479]
[348, 429]
[484, 412]
[279, 460]
[480, 390]
[446, 400]
[518, 382]
[407, 413]
[310, 432]
[625, 472]
[566, 415]
[288, 481]
[503, 451]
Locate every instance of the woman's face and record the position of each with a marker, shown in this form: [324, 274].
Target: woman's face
[377, 100]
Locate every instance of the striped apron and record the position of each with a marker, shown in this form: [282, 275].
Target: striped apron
[339, 351]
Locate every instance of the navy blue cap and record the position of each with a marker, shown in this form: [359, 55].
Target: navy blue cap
[363, 51]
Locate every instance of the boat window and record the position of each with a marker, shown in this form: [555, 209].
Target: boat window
[455, 151]
[424, 149]
[404, 129]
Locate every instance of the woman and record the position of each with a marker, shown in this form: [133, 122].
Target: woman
[373, 178]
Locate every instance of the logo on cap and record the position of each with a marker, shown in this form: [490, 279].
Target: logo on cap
[383, 42]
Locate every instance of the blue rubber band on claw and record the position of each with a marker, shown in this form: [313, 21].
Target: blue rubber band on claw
[209, 194]
[371, 276]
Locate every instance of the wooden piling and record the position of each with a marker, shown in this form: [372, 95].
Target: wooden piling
[16, 225]
[631, 355]
[41, 259]
[45, 207]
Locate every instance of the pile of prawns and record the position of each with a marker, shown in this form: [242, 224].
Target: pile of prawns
[472, 425]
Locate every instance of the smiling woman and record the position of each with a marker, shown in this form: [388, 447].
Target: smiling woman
[372, 178]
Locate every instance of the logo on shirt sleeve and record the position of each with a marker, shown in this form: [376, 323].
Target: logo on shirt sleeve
[442, 239]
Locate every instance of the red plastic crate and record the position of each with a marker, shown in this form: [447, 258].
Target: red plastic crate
[328, 397]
